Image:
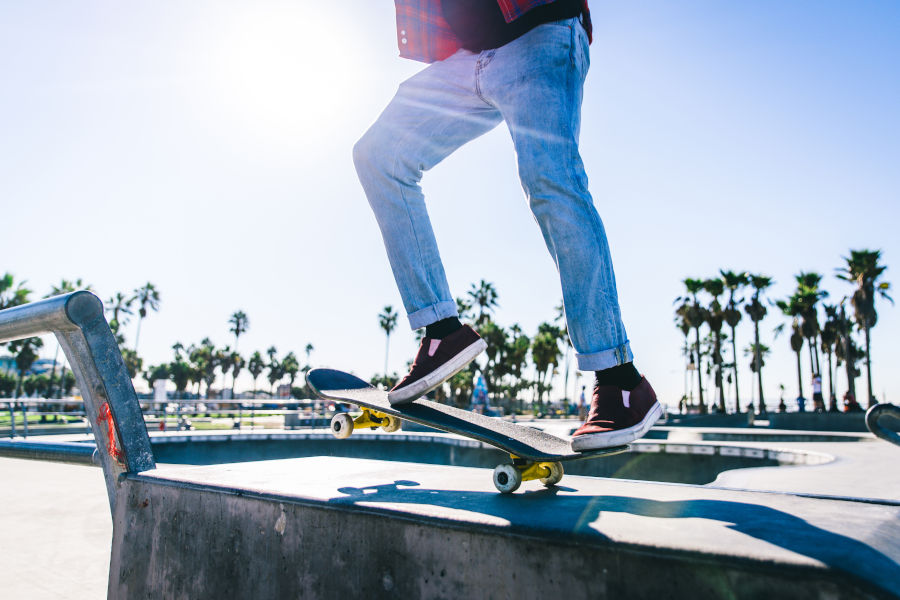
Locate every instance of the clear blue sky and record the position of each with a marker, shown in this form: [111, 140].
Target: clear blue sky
[205, 147]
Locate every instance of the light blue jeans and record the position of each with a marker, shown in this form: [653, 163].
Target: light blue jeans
[535, 84]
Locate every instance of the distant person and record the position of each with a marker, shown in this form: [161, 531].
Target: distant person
[818, 400]
[582, 405]
[850, 403]
[523, 62]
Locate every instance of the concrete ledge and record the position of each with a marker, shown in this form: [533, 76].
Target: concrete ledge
[329, 527]
[821, 421]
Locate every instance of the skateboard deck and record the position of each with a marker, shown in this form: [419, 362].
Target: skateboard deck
[526, 445]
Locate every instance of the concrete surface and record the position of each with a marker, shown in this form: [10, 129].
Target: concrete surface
[250, 530]
[55, 531]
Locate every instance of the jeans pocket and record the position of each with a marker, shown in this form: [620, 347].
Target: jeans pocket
[581, 51]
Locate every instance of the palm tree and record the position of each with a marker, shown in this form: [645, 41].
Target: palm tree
[696, 315]
[291, 366]
[223, 361]
[180, 373]
[119, 305]
[808, 295]
[560, 318]
[204, 362]
[484, 296]
[517, 361]
[463, 307]
[734, 282]
[148, 299]
[275, 370]
[757, 362]
[237, 365]
[683, 323]
[12, 293]
[756, 310]
[792, 307]
[387, 320]
[240, 323]
[715, 319]
[862, 268]
[545, 354]
[846, 350]
[308, 350]
[495, 336]
[829, 338]
[256, 365]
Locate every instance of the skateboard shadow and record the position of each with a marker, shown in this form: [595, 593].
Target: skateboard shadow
[550, 511]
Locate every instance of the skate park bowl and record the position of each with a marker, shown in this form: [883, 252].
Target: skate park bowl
[415, 514]
[697, 463]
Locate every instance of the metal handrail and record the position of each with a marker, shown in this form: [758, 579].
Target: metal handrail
[878, 413]
[77, 321]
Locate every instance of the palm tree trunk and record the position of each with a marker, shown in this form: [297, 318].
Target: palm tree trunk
[849, 366]
[719, 383]
[871, 399]
[699, 373]
[799, 376]
[12, 406]
[12, 419]
[762, 399]
[816, 348]
[812, 360]
[387, 347]
[52, 373]
[137, 336]
[737, 393]
[832, 401]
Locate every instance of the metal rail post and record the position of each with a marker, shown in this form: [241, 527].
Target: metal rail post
[878, 413]
[110, 402]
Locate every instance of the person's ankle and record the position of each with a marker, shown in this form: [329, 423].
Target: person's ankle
[624, 376]
[441, 329]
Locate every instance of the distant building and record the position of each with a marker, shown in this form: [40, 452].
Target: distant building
[41, 366]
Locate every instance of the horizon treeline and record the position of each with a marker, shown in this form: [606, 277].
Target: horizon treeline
[710, 311]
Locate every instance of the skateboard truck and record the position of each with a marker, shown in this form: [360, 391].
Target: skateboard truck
[342, 424]
[509, 476]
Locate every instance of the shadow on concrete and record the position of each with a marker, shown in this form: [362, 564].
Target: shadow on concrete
[574, 516]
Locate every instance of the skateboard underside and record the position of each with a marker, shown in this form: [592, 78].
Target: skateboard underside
[535, 453]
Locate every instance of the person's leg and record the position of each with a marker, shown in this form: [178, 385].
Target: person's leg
[536, 82]
[433, 113]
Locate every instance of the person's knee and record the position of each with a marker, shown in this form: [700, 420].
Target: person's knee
[364, 154]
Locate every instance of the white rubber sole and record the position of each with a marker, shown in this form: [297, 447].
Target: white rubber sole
[453, 366]
[596, 441]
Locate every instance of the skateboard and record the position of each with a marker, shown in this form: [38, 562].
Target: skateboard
[534, 454]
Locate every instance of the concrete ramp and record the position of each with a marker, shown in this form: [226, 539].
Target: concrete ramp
[340, 528]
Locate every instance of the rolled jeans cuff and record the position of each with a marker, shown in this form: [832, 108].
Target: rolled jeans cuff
[432, 314]
[605, 359]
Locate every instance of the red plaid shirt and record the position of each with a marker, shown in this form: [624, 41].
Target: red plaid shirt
[423, 34]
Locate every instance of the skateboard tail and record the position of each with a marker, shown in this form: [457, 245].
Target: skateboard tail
[321, 380]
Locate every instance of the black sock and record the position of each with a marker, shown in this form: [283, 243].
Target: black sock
[443, 328]
[623, 376]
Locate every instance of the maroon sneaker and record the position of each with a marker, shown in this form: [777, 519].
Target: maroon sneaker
[436, 362]
[617, 417]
